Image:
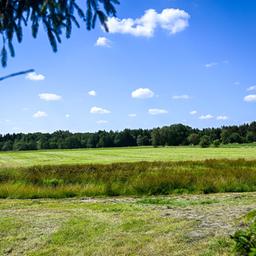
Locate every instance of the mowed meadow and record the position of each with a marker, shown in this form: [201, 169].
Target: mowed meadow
[130, 154]
[126, 201]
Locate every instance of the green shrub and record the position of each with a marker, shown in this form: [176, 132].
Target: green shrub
[245, 240]
[216, 143]
[205, 141]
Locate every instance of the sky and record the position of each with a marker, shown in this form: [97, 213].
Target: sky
[163, 62]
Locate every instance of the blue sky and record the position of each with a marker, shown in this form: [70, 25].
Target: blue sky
[164, 62]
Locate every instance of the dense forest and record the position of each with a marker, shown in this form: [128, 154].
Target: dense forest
[173, 135]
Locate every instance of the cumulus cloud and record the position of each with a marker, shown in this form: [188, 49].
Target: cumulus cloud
[142, 93]
[67, 115]
[206, 117]
[40, 114]
[49, 97]
[181, 97]
[103, 42]
[102, 122]
[211, 65]
[157, 111]
[101, 111]
[92, 93]
[171, 20]
[250, 98]
[132, 115]
[193, 112]
[251, 88]
[33, 76]
[222, 118]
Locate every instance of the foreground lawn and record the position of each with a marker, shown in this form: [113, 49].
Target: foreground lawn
[113, 155]
[177, 225]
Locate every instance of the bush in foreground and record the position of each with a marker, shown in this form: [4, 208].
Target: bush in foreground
[245, 239]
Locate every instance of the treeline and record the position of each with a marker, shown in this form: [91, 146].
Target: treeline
[173, 135]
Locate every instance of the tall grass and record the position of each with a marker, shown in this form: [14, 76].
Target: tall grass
[141, 178]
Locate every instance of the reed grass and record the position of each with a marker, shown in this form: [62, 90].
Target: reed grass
[141, 178]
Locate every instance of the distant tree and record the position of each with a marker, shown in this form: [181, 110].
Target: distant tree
[251, 137]
[105, 140]
[193, 139]
[7, 146]
[72, 142]
[167, 135]
[242, 130]
[92, 141]
[252, 127]
[177, 134]
[225, 136]
[235, 138]
[156, 137]
[125, 139]
[43, 142]
[205, 141]
[143, 140]
[216, 143]
[57, 17]
[19, 145]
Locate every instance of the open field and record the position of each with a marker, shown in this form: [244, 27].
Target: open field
[138, 178]
[166, 204]
[113, 155]
[183, 225]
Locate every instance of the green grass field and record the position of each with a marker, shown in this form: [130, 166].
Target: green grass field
[128, 179]
[113, 155]
[196, 225]
[168, 200]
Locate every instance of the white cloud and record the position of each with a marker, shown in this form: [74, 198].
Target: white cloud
[142, 93]
[193, 112]
[157, 111]
[33, 76]
[40, 114]
[181, 97]
[172, 20]
[102, 122]
[250, 98]
[67, 115]
[251, 88]
[222, 118]
[97, 110]
[210, 65]
[49, 97]
[206, 117]
[132, 115]
[92, 93]
[103, 42]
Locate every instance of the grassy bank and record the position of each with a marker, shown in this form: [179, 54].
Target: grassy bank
[114, 155]
[141, 178]
[196, 225]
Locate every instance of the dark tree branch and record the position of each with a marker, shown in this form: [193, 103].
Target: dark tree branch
[17, 74]
[56, 16]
